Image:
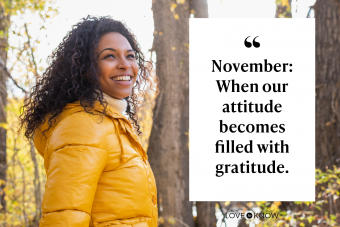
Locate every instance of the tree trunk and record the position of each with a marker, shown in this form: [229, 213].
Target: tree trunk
[206, 215]
[327, 103]
[37, 187]
[4, 25]
[242, 223]
[168, 145]
[200, 8]
[283, 9]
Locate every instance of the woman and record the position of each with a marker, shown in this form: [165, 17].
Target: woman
[97, 171]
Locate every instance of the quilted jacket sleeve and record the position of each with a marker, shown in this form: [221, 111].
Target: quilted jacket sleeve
[76, 161]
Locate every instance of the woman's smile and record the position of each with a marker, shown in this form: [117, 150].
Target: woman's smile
[122, 80]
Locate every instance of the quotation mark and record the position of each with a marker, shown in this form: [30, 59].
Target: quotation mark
[248, 44]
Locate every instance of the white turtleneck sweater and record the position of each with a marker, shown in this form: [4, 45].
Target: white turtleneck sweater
[118, 104]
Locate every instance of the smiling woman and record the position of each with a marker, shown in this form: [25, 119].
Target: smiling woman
[118, 65]
[98, 173]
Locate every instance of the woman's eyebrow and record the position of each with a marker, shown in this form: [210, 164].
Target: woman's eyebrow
[113, 50]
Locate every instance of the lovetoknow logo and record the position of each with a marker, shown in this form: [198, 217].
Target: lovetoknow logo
[250, 214]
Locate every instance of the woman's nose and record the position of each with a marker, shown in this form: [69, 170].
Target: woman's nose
[124, 64]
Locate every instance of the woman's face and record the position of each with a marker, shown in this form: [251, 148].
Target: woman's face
[117, 64]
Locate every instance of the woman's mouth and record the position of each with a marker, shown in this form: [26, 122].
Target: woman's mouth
[122, 80]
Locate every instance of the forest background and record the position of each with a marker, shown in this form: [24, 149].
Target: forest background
[31, 29]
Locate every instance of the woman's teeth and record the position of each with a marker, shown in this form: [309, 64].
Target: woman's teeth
[124, 78]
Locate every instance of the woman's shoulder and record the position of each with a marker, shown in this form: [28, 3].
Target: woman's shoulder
[81, 128]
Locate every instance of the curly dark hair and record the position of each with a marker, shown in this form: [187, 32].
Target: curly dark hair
[72, 75]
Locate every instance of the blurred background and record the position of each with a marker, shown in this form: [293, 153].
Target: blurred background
[31, 29]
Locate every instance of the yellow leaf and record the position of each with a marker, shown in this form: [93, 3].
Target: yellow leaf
[160, 220]
[176, 16]
[171, 220]
[173, 48]
[160, 33]
[227, 203]
[180, 1]
[285, 3]
[173, 7]
[4, 125]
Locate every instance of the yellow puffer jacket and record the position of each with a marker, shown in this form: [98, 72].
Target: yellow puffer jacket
[98, 173]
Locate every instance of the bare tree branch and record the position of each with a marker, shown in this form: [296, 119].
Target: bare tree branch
[32, 53]
[2, 65]
[17, 59]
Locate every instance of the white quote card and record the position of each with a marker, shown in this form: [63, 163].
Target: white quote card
[252, 109]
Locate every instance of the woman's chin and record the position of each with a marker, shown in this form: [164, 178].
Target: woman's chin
[119, 95]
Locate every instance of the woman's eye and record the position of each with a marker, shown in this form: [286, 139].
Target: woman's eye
[131, 55]
[109, 55]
